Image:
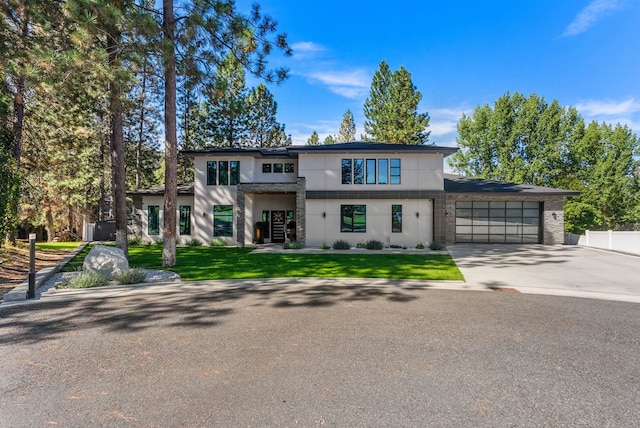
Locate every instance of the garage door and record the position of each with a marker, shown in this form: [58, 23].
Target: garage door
[498, 222]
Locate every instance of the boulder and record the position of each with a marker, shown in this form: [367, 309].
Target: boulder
[108, 261]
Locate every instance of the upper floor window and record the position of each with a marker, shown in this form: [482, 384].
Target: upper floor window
[278, 167]
[266, 168]
[288, 168]
[370, 171]
[223, 173]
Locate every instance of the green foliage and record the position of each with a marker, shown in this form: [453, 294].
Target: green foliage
[341, 244]
[131, 276]
[293, 245]
[194, 242]
[135, 240]
[88, 280]
[528, 140]
[314, 139]
[420, 246]
[218, 242]
[324, 246]
[329, 139]
[347, 132]
[361, 245]
[437, 247]
[374, 245]
[391, 110]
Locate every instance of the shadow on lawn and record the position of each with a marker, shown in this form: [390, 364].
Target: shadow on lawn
[188, 305]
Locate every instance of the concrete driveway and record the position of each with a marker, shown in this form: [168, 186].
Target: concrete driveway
[555, 270]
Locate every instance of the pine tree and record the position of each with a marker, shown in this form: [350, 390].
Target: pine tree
[391, 109]
[314, 139]
[347, 132]
[263, 129]
[329, 139]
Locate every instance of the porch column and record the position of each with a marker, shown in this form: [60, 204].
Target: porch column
[240, 216]
[301, 210]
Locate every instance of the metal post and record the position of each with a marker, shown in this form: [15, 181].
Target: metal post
[31, 294]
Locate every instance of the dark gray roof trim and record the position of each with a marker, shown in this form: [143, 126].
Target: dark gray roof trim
[184, 189]
[456, 184]
[292, 151]
[360, 146]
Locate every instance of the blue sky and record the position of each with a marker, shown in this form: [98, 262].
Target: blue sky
[461, 54]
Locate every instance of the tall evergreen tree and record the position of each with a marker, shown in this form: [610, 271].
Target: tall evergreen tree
[391, 110]
[263, 129]
[347, 132]
[314, 139]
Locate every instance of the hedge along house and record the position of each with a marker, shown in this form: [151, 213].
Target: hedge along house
[393, 193]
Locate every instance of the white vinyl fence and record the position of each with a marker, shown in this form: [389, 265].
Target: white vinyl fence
[627, 242]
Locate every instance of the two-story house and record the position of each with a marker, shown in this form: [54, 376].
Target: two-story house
[394, 193]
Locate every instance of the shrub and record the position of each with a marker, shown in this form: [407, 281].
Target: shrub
[374, 245]
[218, 242]
[341, 245]
[88, 280]
[131, 276]
[195, 242]
[437, 247]
[420, 246]
[294, 245]
[324, 246]
[361, 245]
[135, 240]
[158, 242]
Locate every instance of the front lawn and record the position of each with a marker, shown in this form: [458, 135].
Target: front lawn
[201, 263]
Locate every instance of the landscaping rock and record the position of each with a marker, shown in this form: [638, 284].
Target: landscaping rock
[108, 261]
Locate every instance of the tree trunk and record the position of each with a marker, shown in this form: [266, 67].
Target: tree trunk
[117, 142]
[171, 141]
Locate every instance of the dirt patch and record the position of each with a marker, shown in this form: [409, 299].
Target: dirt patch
[14, 265]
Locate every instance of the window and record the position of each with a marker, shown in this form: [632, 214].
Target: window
[353, 218]
[346, 171]
[212, 173]
[266, 168]
[277, 167]
[396, 218]
[358, 171]
[223, 220]
[153, 217]
[234, 169]
[383, 171]
[265, 219]
[371, 171]
[288, 168]
[395, 171]
[224, 173]
[185, 220]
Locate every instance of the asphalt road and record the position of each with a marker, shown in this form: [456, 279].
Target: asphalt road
[320, 353]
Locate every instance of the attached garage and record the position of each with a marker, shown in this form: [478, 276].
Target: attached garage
[498, 222]
[495, 212]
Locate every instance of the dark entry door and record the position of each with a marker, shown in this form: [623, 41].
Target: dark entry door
[277, 226]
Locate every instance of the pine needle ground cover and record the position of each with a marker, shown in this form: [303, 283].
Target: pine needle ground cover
[208, 263]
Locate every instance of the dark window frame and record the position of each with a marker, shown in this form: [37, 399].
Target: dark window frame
[396, 218]
[348, 216]
[370, 171]
[266, 168]
[184, 219]
[347, 171]
[395, 172]
[212, 173]
[156, 220]
[289, 168]
[220, 214]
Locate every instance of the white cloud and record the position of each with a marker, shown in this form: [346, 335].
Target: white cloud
[303, 50]
[609, 108]
[589, 15]
[349, 84]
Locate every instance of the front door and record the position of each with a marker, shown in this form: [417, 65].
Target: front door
[277, 226]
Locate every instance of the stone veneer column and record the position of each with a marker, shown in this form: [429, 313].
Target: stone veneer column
[439, 219]
[301, 210]
[240, 211]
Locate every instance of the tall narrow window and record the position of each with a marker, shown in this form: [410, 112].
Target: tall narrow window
[153, 217]
[212, 173]
[396, 218]
[223, 220]
[234, 172]
[265, 219]
[383, 171]
[358, 171]
[346, 171]
[395, 171]
[185, 220]
[371, 171]
[224, 173]
[353, 218]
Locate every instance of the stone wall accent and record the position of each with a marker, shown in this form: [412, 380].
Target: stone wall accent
[301, 211]
[552, 216]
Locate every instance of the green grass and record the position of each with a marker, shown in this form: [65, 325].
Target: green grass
[203, 263]
[58, 246]
[76, 263]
